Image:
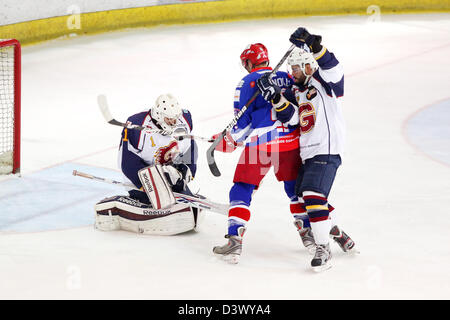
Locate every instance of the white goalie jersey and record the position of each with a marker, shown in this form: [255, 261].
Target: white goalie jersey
[140, 149]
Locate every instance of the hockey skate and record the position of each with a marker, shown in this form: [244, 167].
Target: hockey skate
[322, 257]
[231, 251]
[343, 240]
[306, 235]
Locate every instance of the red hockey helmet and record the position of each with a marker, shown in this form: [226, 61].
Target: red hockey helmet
[256, 53]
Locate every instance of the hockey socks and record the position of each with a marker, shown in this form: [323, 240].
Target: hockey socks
[237, 217]
[299, 212]
[239, 213]
[316, 205]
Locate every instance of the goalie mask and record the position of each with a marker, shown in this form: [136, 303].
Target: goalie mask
[301, 58]
[166, 111]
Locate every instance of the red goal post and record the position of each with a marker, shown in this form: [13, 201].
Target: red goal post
[10, 71]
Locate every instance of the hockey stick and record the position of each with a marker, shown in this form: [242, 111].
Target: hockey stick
[199, 202]
[104, 108]
[210, 152]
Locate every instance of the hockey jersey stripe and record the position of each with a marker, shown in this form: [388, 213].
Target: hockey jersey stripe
[188, 118]
[326, 59]
[330, 87]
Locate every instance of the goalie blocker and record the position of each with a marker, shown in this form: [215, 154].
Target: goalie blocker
[126, 213]
[156, 187]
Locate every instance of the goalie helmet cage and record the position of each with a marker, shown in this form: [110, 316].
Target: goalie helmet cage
[10, 70]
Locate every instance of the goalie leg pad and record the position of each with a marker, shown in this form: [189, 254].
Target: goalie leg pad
[107, 222]
[139, 217]
[156, 187]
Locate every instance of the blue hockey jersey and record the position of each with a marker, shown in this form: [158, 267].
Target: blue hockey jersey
[258, 126]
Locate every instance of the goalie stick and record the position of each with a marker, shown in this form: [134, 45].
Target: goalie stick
[104, 108]
[199, 202]
[210, 152]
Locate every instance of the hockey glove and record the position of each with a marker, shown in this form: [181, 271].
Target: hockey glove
[227, 144]
[302, 37]
[269, 90]
[167, 154]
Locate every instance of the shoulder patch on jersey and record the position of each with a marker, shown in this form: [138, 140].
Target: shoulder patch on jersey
[312, 93]
[240, 84]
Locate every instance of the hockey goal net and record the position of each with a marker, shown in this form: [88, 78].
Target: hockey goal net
[9, 106]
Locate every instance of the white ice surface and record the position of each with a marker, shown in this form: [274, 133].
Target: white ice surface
[390, 196]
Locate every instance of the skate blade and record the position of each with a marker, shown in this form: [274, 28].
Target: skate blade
[322, 268]
[229, 258]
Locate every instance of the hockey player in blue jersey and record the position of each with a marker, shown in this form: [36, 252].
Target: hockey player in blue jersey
[156, 165]
[314, 103]
[268, 143]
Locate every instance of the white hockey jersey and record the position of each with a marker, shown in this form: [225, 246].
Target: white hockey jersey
[139, 149]
[319, 111]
